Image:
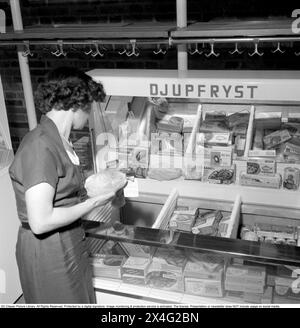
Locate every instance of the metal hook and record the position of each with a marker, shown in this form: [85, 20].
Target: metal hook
[26, 51]
[97, 51]
[122, 52]
[89, 51]
[134, 51]
[256, 52]
[195, 51]
[159, 50]
[212, 52]
[297, 53]
[278, 49]
[236, 50]
[60, 50]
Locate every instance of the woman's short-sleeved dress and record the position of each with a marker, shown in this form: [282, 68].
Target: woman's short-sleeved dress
[54, 266]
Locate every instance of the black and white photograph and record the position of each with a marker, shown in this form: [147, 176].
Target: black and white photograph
[149, 156]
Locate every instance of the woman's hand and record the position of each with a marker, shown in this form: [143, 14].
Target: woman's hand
[101, 200]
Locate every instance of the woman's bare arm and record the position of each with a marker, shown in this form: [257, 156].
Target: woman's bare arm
[43, 217]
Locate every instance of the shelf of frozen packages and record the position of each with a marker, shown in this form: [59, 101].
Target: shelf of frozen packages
[236, 28]
[276, 202]
[227, 247]
[152, 295]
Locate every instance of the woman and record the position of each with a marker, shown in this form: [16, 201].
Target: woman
[51, 250]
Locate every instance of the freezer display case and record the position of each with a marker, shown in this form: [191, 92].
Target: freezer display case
[213, 171]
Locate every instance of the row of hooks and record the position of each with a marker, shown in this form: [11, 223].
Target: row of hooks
[96, 49]
[235, 51]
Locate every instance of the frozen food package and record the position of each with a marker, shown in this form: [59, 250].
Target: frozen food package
[104, 182]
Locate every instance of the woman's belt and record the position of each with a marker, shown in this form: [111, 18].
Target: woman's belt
[25, 225]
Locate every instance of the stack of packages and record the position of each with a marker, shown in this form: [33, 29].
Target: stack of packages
[212, 223]
[277, 136]
[183, 219]
[261, 172]
[82, 148]
[220, 137]
[166, 270]
[284, 282]
[276, 139]
[200, 222]
[105, 258]
[130, 123]
[270, 233]
[166, 143]
[135, 269]
[133, 152]
[204, 275]
[246, 282]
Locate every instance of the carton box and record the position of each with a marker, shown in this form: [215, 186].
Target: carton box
[136, 266]
[166, 270]
[107, 265]
[261, 166]
[203, 287]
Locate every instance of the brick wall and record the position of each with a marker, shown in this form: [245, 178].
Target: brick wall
[49, 12]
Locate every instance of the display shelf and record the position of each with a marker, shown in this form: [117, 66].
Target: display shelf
[147, 30]
[276, 202]
[250, 250]
[153, 295]
[201, 92]
[236, 28]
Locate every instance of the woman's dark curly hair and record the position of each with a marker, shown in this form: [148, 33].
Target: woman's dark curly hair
[68, 87]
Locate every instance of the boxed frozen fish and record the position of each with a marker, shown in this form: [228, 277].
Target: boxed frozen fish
[203, 287]
[221, 156]
[240, 144]
[207, 223]
[287, 287]
[217, 138]
[291, 178]
[204, 266]
[107, 265]
[136, 266]
[166, 270]
[257, 180]
[262, 153]
[245, 278]
[261, 166]
[237, 119]
[219, 175]
[171, 124]
[276, 138]
[183, 219]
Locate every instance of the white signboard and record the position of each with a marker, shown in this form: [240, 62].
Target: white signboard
[249, 86]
